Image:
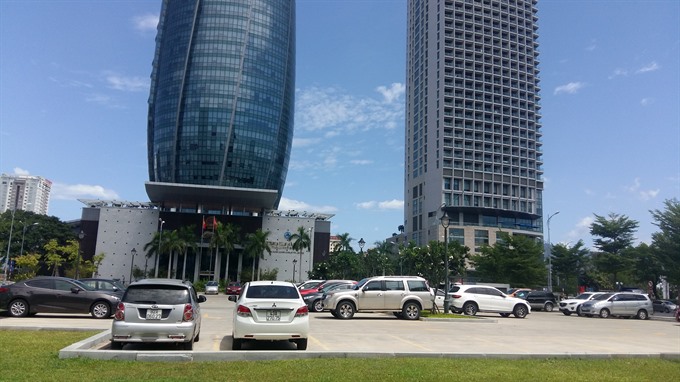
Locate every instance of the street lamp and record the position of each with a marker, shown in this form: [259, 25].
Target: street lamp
[23, 236]
[550, 254]
[132, 262]
[81, 236]
[361, 245]
[445, 223]
[294, 262]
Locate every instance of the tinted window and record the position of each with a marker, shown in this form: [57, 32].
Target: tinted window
[272, 291]
[44, 283]
[394, 285]
[374, 285]
[420, 286]
[63, 285]
[493, 292]
[157, 294]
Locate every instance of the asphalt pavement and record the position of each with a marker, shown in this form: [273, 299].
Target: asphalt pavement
[540, 334]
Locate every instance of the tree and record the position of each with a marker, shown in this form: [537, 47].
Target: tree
[570, 264]
[514, 259]
[26, 266]
[226, 237]
[256, 245]
[301, 241]
[666, 242]
[174, 244]
[53, 258]
[613, 235]
[188, 236]
[344, 243]
[152, 249]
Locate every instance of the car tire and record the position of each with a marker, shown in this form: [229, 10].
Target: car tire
[334, 314]
[566, 313]
[188, 345]
[520, 311]
[410, 311]
[604, 313]
[398, 314]
[345, 310]
[301, 344]
[115, 345]
[100, 309]
[18, 308]
[642, 314]
[236, 344]
[505, 315]
[549, 306]
[578, 311]
[317, 305]
[198, 337]
[470, 308]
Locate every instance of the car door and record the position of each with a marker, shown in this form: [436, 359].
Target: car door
[372, 296]
[68, 301]
[496, 300]
[394, 293]
[618, 304]
[41, 295]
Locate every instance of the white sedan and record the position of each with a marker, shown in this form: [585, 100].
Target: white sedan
[270, 311]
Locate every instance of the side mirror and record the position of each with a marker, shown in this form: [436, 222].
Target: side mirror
[202, 298]
[232, 298]
[75, 290]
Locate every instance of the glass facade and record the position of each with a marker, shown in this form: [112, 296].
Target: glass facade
[222, 93]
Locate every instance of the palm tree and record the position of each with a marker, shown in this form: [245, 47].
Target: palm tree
[256, 246]
[225, 236]
[344, 243]
[152, 249]
[173, 243]
[188, 236]
[301, 241]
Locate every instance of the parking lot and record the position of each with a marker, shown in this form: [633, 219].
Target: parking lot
[377, 334]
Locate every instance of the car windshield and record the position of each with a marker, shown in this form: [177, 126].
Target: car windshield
[360, 284]
[329, 288]
[234, 284]
[603, 296]
[272, 291]
[157, 294]
[212, 283]
[583, 296]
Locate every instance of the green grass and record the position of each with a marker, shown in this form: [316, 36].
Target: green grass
[33, 356]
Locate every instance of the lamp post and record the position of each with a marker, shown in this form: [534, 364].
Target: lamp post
[294, 262]
[81, 236]
[9, 241]
[361, 245]
[445, 223]
[132, 262]
[550, 254]
[23, 236]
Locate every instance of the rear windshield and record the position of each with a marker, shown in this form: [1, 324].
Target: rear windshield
[156, 294]
[272, 291]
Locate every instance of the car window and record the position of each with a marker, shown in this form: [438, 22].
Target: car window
[157, 294]
[417, 285]
[394, 285]
[374, 285]
[603, 296]
[272, 291]
[212, 283]
[493, 292]
[44, 283]
[63, 285]
[454, 288]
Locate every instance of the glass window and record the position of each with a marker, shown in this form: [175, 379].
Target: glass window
[417, 285]
[394, 285]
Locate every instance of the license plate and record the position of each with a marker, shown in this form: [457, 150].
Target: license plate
[153, 314]
[273, 315]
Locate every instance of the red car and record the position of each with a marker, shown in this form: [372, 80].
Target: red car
[234, 287]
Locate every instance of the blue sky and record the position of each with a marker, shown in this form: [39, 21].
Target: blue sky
[74, 80]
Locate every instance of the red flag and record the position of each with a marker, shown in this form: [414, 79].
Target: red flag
[214, 221]
[204, 225]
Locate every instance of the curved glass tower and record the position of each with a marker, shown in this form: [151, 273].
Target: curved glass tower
[222, 94]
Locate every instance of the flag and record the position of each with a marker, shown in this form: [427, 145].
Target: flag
[214, 222]
[204, 225]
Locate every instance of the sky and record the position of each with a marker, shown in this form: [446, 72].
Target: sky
[74, 85]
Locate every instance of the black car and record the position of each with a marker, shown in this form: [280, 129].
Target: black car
[56, 295]
[314, 300]
[109, 285]
[541, 300]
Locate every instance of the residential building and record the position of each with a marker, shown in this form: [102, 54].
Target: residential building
[24, 192]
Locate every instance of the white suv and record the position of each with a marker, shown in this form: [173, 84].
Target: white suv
[573, 305]
[471, 299]
[405, 296]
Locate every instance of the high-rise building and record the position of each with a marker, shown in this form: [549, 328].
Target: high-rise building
[24, 192]
[220, 123]
[473, 131]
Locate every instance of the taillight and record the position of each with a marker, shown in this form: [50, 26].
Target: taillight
[188, 313]
[456, 296]
[4, 289]
[302, 311]
[120, 312]
[243, 311]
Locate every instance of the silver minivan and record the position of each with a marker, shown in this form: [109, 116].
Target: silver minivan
[622, 304]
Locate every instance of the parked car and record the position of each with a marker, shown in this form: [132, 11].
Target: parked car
[110, 285]
[470, 299]
[156, 311]
[233, 288]
[270, 311]
[518, 292]
[623, 304]
[573, 305]
[309, 284]
[317, 287]
[541, 300]
[405, 296]
[664, 306]
[212, 287]
[56, 295]
[314, 301]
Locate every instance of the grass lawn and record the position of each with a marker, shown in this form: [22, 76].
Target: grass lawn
[33, 356]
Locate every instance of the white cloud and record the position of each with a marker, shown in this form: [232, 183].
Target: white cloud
[366, 205]
[304, 142]
[130, 84]
[570, 88]
[393, 204]
[361, 161]
[20, 171]
[618, 73]
[145, 23]
[78, 191]
[646, 101]
[592, 46]
[651, 67]
[581, 229]
[296, 205]
[392, 93]
[641, 194]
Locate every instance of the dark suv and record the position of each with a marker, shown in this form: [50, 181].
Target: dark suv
[540, 300]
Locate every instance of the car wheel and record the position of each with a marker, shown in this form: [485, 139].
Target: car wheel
[520, 311]
[566, 313]
[549, 306]
[667, 310]
[236, 344]
[18, 308]
[604, 313]
[505, 314]
[115, 345]
[345, 310]
[470, 308]
[411, 311]
[100, 309]
[642, 314]
[198, 337]
[301, 344]
[578, 311]
[317, 306]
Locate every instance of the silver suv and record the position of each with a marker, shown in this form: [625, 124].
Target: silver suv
[623, 304]
[158, 310]
[405, 296]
